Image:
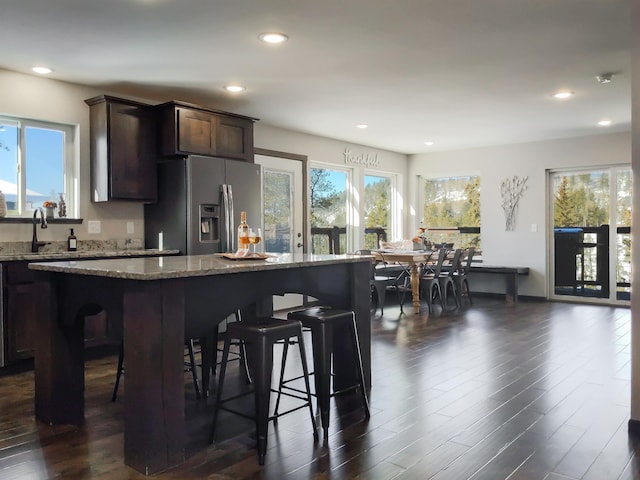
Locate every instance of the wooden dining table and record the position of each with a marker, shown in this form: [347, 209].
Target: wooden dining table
[413, 260]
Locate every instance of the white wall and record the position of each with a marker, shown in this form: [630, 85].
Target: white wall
[635, 220]
[44, 99]
[520, 247]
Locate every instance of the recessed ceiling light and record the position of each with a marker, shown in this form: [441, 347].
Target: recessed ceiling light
[563, 94]
[273, 37]
[362, 126]
[234, 88]
[42, 70]
[428, 144]
[605, 122]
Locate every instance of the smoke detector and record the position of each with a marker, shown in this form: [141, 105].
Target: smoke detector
[604, 77]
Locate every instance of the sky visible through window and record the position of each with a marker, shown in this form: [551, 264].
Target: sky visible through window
[44, 159]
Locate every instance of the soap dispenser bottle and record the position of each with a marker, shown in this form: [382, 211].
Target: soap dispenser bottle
[72, 242]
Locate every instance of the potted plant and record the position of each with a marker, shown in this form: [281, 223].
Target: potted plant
[49, 206]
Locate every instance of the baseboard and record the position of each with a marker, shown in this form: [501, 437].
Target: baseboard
[523, 298]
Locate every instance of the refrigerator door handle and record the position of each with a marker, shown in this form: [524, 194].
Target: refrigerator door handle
[232, 233]
[227, 222]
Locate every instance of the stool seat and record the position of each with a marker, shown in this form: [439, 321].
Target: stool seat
[259, 340]
[322, 321]
[320, 314]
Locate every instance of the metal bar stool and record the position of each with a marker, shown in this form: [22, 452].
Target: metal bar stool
[259, 341]
[189, 366]
[322, 321]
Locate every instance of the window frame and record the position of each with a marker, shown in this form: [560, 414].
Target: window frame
[70, 163]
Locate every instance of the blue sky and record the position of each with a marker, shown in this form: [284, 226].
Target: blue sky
[44, 148]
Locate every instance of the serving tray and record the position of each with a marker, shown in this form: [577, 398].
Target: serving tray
[251, 256]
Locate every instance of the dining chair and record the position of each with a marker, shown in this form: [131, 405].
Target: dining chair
[430, 282]
[447, 279]
[385, 276]
[461, 277]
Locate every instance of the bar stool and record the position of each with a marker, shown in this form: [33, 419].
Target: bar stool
[189, 366]
[259, 341]
[322, 321]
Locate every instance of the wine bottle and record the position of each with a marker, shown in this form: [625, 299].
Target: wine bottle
[243, 236]
[72, 242]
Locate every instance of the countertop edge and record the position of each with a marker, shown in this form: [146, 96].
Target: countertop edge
[214, 266]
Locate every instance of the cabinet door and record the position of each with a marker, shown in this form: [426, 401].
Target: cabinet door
[20, 324]
[196, 132]
[132, 158]
[234, 138]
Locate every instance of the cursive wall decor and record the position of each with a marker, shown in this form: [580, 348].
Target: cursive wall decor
[366, 159]
[511, 190]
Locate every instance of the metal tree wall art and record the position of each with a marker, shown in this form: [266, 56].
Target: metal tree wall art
[511, 189]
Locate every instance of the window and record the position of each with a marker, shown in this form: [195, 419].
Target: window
[278, 206]
[36, 165]
[328, 192]
[378, 194]
[451, 212]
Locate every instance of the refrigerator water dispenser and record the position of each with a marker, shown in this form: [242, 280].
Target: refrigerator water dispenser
[209, 223]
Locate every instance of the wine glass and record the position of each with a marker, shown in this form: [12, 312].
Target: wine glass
[255, 237]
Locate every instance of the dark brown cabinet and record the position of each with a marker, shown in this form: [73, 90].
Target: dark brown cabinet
[123, 150]
[20, 300]
[189, 129]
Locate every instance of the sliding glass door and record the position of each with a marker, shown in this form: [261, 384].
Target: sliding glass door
[591, 212]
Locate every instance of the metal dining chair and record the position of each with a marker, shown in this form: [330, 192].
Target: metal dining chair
[385, 276]
[430, 282]
[447, 279]
[461, 277]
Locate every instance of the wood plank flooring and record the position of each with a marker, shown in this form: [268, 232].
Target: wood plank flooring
[537, 390]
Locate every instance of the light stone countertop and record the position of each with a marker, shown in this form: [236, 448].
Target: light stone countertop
[157, 268]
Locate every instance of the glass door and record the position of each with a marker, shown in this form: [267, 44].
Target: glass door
[591, 235]
[283, 213]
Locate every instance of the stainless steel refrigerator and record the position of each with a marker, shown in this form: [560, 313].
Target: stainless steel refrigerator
[199, 204]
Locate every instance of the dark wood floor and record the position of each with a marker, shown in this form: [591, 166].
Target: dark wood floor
[538, 390]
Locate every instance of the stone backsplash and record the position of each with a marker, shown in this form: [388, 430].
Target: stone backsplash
[12, 248]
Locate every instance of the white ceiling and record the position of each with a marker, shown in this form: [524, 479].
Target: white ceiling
[461, 73]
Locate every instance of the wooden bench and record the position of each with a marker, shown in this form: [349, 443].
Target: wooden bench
[510, 276]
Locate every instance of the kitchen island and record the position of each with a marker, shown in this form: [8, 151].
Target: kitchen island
[157, 303]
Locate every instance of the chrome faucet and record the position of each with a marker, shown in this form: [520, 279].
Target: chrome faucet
[35, 244]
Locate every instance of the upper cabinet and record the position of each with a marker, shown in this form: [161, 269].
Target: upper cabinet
[190, 129]
[123, 150]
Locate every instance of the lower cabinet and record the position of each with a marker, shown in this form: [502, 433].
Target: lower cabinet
[19, 315]
[20, 302]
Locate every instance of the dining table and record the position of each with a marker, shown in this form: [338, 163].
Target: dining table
[154, 304]
[414, 261]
